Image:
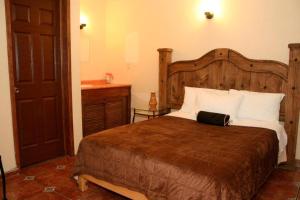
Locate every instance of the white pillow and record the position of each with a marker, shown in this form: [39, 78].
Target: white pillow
[219, 103]
[189, 100]
[190, 97]
[259, 106]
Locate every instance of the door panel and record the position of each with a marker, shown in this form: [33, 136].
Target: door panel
[48, 57]
[21, 13]
[27, 116]
[46, 17]
[24, 57]
[50, 123]
[38, 86]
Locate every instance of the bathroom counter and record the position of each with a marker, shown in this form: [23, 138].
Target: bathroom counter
[100, 84]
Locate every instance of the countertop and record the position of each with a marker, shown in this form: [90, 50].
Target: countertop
[100, 84]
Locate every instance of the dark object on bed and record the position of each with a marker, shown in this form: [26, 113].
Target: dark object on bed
[3, 181]
[179, 159]
[213, 118]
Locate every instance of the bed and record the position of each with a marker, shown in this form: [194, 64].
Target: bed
[174, 157]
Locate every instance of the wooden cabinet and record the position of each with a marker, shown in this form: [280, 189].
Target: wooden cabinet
[105, 107]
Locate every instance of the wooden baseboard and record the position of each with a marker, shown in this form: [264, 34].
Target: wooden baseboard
[83, 179]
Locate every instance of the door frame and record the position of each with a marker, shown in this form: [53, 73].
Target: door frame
[66, 81]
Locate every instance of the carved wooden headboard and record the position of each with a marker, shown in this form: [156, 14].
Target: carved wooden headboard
[228, 69]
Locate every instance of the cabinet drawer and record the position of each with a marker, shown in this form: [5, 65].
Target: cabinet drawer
[96, 95]
[115, 113]
[105, 108]
[93, 118]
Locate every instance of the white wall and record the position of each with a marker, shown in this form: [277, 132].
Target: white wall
[75, 69]
[6, 130]
[7, 150]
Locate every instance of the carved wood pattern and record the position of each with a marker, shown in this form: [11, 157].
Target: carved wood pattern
[227, 69]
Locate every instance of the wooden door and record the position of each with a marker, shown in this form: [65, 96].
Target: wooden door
[37, 67]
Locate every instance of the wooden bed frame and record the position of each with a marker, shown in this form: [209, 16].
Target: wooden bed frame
[224, 69]
[227, 69]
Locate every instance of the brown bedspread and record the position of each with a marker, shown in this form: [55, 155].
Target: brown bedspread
[177, 159]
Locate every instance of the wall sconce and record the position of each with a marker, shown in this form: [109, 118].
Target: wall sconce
[82, 26]
[210, 8]
[83, 22]
[209, 15]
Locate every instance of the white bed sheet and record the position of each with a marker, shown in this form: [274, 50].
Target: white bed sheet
[277, 127]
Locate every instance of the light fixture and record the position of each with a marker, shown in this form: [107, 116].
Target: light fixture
[210, 8]
[83, 21]
[82, 26]
[209, 15]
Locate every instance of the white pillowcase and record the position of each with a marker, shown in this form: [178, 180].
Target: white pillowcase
[219, 103]
[190, 97]
[189, 100]
[259, 106]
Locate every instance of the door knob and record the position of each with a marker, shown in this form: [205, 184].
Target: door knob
[17, 90]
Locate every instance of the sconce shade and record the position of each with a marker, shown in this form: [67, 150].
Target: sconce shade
[82, 26]
[83, 21]
[209, 15]
[210, 8]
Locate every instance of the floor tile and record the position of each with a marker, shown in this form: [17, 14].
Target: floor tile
[29, 178]
[18, 188]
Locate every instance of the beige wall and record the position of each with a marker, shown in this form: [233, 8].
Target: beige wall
[92, 40]
[6, 132]
[134, 29]
[75, 62]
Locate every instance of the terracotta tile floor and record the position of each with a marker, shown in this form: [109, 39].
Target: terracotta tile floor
[52, 181]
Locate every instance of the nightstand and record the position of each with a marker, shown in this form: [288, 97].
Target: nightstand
[149, 114]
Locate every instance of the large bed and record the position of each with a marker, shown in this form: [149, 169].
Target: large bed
[175, 157]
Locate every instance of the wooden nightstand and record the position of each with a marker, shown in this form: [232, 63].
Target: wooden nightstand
[149, 114]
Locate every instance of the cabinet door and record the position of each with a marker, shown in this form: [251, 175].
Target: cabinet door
[116, 112]
[93, 118]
